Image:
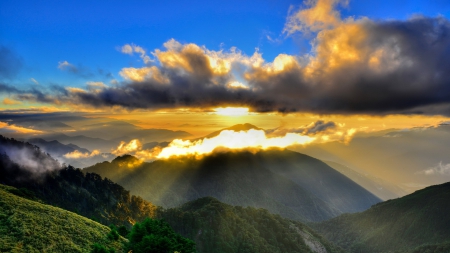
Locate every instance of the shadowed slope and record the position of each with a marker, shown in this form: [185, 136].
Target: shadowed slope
[287, 183]
[416, 220]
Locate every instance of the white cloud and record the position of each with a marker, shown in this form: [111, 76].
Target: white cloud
[34, 80]
[65, 65]
[132, 48]
[440, 169]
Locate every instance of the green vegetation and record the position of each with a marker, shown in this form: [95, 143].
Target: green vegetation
[87, 194]
[29, 226]
[156, 236]
[418, 222]
[221, 228]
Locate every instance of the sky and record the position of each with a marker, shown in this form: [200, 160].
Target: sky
[366, 65]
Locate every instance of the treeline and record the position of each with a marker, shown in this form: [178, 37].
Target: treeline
[88, 194]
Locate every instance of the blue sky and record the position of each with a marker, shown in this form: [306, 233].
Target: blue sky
[88, 33]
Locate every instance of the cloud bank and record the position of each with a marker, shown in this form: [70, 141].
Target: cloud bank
[356, 66]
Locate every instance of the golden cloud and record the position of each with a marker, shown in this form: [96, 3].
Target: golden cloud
[8, 101]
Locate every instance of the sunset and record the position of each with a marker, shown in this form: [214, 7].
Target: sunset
[331, 117]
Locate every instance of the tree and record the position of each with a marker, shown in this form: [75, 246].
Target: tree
[156, 236]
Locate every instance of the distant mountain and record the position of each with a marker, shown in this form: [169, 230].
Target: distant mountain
[59, 150]
[30, 226]
[293, 185]
[55, 147]
[377, 186]
[418, 222]
[83, 141]
[236, 128]
[218, 227]
[398, 156]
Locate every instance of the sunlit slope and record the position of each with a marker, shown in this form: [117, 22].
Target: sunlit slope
[221, 228]
[29, 226]
[403, 224]
[284, 182]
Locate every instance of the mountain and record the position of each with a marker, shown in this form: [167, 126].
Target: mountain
[410, 158]
[30, 226]
[214, 226]
[118, 131]
[59, 150]
[56, 148]
[24, 165]
[293, 185]
[417, 222]
[236, 128]
[377, 186]
[221, 228]
[82, 141]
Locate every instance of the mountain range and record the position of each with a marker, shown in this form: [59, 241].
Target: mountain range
[293, 185]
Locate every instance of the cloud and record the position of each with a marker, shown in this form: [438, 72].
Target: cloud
[128, 148]
[77, 154]
[34, 81]
[314, 128]
[132, 48]
[321, 15]
[65, 65]
[11, 128]
[440, 169]
[321, 131]
[80, 70]
[356, 66]
[10, 63]
[8, 101]
[226, 140]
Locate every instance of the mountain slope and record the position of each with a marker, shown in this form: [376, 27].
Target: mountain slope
[23, 165]
[377, 186]
[403, 224]
[284, 182]
[29, 226]
[221, 228]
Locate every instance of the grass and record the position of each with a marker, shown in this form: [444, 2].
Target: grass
[29, 226]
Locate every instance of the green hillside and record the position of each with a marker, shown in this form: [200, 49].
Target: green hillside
[221, 228]
[29, 226]
[418, 222]
[64, 186]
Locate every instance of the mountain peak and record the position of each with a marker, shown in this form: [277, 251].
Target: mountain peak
[125, 158]
[236, 128]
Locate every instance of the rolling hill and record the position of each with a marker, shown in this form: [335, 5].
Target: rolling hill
[30, 226]
[293, 185]
[418, 222]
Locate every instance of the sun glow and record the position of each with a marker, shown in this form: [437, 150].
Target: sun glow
[229, 139]
[231, 111]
